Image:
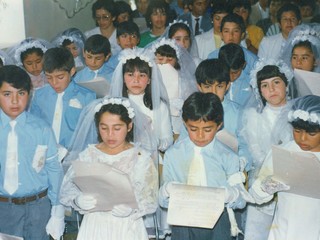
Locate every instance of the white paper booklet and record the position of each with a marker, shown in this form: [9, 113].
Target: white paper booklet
[99, 85]
[9, 237]
[195, 206]
[308, 83]
[108, 185]
[299, 170]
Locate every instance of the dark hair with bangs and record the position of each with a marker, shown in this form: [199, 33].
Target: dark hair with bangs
[97, 44]
[154, 6]
[58, 59]
[167, 51]
[137, 64]
[179, 26]
[212, 70]
[16, 77]
[203, 106]
[308, 45]
[269, 71]
[29, 51]
[305, 125]
[117, 109]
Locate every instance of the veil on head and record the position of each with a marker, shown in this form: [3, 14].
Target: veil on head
[303, 32]
[15, 51]
[5, 58]
[86, 131]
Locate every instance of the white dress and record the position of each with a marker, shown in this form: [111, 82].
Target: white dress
[138, 164]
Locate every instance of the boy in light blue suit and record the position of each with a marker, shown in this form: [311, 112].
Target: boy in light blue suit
[62, 114]
[96, 53]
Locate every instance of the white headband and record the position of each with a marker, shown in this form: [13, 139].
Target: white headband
[26, 46]
[118, 101]
[303, 115]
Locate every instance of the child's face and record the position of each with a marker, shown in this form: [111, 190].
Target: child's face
[72, 47]
[94, 61]
[182, 38]
[165, 60]
[307, 141]
[198, 8]
[136, 82]
[104, 19]
[113, 132]
[13, 101]
[231, 33]
[201, 133]
[59, 80]
[127, 40]
[274, 91]
[303, 58]
[33, 64]
[217, 18]
[217, 88]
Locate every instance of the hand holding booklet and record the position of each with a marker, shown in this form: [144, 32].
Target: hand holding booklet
[108, 185]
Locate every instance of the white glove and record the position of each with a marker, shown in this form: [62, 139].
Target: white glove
[85, 202]
[55, 225]
[233, 198]
[272, 186]
[121, 210]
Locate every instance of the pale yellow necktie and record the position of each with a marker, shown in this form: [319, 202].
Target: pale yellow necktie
[11, 169]
[56, 123]
[197, 172]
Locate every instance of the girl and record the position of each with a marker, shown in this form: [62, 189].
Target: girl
[260, 130]
[28, 54]
[177, 70]
[104, 14]
[73, 40]
[138, 78]
[296, 216]
[114, 120]
[181, 33]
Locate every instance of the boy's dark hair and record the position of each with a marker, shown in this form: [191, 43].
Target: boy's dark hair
[97, 44]
[289, 7]
[16, 77]
[59, 59]
[232, 55]
[29, 51]
[269, 71]
[104, 4]
[234, 18]
[240, 3]
[129, 28]
[167, 51]
[159, 5]
[117, 109]
[212, 70]
[202, 106]
[137, 64]
[219, 7]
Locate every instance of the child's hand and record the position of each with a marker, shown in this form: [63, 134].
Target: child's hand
[121, 210]
[55, 225]
[85, 202]
[272, 186]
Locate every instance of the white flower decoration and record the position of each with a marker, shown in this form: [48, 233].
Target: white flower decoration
[303, 115]
[133, 55]
[117, 101]
[61, 40]
[26, 46]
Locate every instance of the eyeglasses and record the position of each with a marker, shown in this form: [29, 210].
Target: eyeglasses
[291, 20]
[102, 18]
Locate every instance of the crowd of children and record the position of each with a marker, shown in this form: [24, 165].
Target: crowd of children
[174, 92]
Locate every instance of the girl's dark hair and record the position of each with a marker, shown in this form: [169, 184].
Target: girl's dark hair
[66, 43]
[179, 26]
[137, 64]
[29, 51]
[167, 51]
[269, 71]
[203, 106]
[306, 44]
[116, 109]
[305, 125]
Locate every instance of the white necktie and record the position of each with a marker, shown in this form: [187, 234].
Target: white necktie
[197, 172]
[56, 123]
[95, 74]
[11, 171]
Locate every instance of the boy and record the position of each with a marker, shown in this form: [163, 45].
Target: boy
[202, 114]
[233, 30]
[61, 102]
[240, 90]
[31, 174]
[96, 54]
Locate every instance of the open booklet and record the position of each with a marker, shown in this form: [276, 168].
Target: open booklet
[9, 237]
[299, 170]
[99, 85]
[195, 206]
[108, 185]
[308, 83]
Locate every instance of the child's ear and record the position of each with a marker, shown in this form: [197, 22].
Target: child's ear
[107, 57]
[220, 126]
[73, 71]
[130, 127]
[199, 87]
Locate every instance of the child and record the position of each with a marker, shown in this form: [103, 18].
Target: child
[138, 78]
[61, 102]
[240, 90]
[177, 70]
[233, 30]
[73, 40]
[264, 125]
[296, 216]
[28, 54]
[114, 120]
[96, 54]
[31, 174]
[203, 117]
